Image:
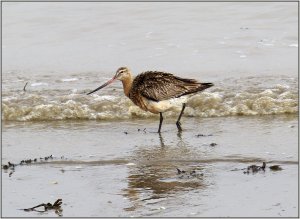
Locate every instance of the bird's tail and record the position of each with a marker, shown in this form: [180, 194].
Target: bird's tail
[193, 86]
[204, 86]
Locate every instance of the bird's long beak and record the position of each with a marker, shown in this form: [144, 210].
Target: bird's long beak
[103, 85]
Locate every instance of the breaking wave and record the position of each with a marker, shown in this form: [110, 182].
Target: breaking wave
[34, 106]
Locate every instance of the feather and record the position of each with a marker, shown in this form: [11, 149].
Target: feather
[158, 86]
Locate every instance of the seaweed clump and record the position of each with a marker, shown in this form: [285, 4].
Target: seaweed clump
[55, 206]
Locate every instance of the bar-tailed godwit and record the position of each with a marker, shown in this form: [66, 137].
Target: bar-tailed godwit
[156, 91]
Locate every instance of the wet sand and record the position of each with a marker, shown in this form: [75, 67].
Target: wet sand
[126, 169]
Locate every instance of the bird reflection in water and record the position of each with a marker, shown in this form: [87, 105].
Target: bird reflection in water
[161, 139]
[155, 174]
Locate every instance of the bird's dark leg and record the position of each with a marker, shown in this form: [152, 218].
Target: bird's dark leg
[160, 122]
[178, 120]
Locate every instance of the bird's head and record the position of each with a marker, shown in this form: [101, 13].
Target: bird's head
[122, 73]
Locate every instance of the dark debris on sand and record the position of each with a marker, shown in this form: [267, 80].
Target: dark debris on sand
[11, 166]
[24, 88]
[55, 206]
[139, 130]
[275, 168]
[188, 174]
[202, 135]
[255, 169]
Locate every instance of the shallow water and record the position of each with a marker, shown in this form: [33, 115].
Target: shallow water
[248, 50]
[108, 158]
[136, 174]
[207, 40]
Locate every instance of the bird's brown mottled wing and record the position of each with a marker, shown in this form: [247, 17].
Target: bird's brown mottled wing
[159, 86]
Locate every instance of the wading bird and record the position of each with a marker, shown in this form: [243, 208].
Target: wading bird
[156, 91]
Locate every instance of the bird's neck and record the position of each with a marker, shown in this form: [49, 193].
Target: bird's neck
[127, 83]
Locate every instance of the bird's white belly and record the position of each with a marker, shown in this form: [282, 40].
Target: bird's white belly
[164, 105]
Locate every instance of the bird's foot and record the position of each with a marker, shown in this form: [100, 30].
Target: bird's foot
[178, 124]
